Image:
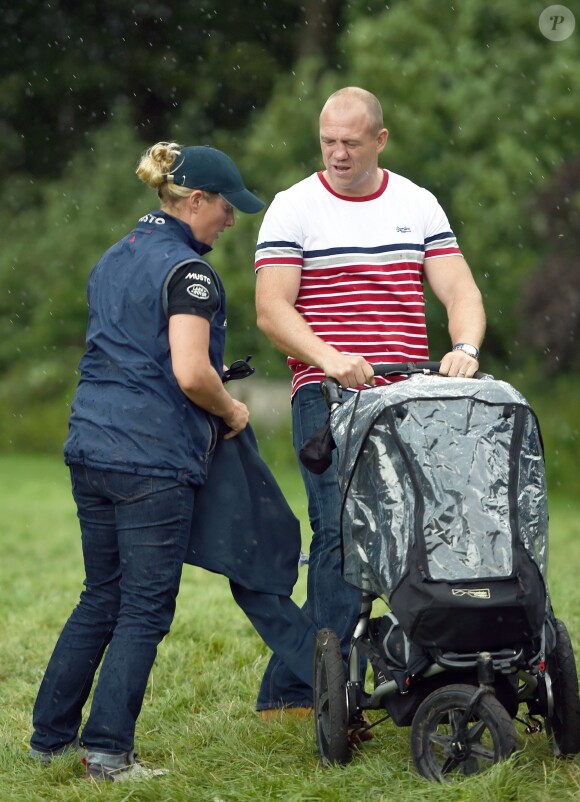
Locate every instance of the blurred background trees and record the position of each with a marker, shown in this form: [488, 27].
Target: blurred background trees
[482, 109]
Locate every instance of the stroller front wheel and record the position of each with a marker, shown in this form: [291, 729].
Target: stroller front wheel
[456, 732]
[330, 707]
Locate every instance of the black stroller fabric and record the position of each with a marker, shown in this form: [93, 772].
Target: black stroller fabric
[445, 509]
[316, 453]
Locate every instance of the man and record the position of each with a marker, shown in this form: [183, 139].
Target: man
[340, 264]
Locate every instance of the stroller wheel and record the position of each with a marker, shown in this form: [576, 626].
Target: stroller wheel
[330, 707]
[456, 732]
[563, 720]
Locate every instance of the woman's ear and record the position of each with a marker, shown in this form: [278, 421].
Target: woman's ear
[194, 200]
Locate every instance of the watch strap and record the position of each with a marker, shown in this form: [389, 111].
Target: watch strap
[470, 350]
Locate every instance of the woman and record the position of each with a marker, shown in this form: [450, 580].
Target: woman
[143, 425]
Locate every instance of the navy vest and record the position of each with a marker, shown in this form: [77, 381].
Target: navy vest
[128, 413]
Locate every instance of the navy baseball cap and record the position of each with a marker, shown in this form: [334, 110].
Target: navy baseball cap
[202, 167]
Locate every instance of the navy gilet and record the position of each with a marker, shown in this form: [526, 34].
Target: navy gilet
[128, 413]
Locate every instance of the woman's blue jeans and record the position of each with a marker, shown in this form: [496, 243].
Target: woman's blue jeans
[135, 530]
[330, 601]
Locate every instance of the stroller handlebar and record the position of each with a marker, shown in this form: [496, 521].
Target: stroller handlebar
[405, 368]
[333, 392]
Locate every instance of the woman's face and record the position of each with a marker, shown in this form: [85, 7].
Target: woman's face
[210, 216]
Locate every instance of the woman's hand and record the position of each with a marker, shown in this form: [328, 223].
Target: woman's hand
[237, 420]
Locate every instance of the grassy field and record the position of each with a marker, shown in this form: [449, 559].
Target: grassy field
[198, 718]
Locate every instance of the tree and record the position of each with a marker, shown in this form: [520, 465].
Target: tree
[198, 67]
[65, 66]
[550, 310]
[482, 110]
[45, 264]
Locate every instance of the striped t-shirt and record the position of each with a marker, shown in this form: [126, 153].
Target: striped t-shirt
[361, 258]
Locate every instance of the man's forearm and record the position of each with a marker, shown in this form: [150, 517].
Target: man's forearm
[467, 320]
[290, 333]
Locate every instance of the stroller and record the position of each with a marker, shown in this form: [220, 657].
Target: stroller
[444, 517]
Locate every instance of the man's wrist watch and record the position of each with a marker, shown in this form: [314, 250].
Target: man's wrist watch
[470, 350]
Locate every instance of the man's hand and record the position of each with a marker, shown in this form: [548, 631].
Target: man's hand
[458, 363]
[349, 370]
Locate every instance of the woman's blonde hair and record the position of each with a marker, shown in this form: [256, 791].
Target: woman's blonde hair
[154, 169]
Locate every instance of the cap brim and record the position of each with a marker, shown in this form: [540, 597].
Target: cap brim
[244, 201]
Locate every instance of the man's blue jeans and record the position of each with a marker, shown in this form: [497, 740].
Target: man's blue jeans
[330, 601]
[135, 530]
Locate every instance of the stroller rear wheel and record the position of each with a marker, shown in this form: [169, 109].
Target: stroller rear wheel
[330, 708]
[563, 720]
[460, 729]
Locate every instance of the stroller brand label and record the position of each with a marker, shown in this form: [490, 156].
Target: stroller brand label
[474, 593]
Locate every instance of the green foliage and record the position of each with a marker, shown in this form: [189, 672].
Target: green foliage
[555, 402]
[556, 314]
[482, 110]
[281, 147]
[482, 116]
[49, 252]
[65, 66]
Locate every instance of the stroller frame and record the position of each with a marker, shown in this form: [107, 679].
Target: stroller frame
[460, 705]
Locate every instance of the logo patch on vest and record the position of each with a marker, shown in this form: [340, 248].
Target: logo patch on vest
[198, 291]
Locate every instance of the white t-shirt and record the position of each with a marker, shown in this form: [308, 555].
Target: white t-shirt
[361, 262]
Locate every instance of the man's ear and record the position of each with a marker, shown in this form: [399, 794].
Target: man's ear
[382, 140]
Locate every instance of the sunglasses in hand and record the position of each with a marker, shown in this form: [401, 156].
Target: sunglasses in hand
[239, 369]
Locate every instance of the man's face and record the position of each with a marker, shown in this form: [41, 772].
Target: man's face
[350, 149]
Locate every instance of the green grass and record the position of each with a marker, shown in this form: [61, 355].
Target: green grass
[198, 718]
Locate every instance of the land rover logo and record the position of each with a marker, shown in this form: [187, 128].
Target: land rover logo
[473, 593]
[198, 291]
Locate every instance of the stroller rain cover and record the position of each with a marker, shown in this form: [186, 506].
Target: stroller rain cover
[444, 508]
